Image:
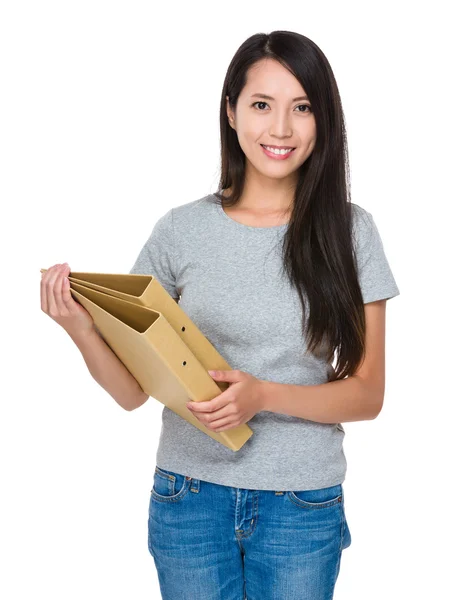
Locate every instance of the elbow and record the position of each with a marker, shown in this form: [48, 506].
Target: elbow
[135, 402]
[372, 395]
[377, 406]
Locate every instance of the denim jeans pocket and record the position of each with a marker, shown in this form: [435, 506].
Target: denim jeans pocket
[317, 499]
[169, 486]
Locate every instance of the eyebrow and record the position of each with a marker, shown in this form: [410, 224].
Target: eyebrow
[266, 97]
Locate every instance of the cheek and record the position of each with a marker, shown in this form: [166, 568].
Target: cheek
[311, 136]
[248, 141]
[311, 145]
[309, 141]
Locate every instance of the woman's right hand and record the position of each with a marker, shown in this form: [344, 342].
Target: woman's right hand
[58, 303]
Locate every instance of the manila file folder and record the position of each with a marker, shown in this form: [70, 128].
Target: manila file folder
[157, 342]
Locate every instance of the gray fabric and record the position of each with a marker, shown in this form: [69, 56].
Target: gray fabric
[229, 279]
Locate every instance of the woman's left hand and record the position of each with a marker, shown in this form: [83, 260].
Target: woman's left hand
[234, 406]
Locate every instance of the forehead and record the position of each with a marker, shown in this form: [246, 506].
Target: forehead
[268, 76]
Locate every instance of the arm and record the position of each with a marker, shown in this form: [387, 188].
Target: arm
[334, 402]
[356, 398]
[108, 370]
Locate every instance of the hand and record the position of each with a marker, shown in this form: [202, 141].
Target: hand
[58, 303]
[236, 405]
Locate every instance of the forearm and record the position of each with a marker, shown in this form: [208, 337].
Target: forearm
[350, 399]
[109, 371]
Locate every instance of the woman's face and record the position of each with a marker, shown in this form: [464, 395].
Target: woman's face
[283, 119]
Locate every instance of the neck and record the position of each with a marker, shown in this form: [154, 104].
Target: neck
[266, 196]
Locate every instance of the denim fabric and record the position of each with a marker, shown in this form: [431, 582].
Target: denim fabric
[215, 542]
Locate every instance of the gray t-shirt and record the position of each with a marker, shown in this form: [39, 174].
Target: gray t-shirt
[229, 279]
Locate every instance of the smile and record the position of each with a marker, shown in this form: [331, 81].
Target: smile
[277, 153]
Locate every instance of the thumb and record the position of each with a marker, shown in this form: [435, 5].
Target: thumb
[231, 375]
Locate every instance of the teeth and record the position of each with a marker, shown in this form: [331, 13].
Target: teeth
[278, 151]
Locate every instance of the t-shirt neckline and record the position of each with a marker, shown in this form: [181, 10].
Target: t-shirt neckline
[234, 223]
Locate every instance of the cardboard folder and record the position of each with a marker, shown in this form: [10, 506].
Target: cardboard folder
[157, 342]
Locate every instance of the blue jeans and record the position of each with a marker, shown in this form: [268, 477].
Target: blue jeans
[215, 542]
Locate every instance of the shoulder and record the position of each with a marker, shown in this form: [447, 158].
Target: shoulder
[361, 218]
[194, 210]
[183, 216]
[362, 225]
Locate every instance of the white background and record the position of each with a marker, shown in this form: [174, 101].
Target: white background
[109, 117]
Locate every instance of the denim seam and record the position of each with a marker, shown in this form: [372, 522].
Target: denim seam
[173, 497]
[340, 543]
[240, 533]
[313, 506]
[150, 546]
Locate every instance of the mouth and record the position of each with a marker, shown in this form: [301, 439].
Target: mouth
[278, 152]
[278, 147]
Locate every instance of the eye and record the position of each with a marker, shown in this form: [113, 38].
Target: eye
[306, 105]
[259, 102]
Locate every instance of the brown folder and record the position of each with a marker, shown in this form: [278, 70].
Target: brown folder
[157, 342]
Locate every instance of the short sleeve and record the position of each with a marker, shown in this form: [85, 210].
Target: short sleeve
[374, 273]
[158, 255]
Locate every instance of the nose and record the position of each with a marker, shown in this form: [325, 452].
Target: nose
[280, 125]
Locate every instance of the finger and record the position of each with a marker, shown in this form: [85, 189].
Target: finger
[194, 406]
[57, 291]
[68, 299]
[209, 406]
[45, 303]
[43, 295]
[219, 415]
[221, 424]
[203, 407]
[207, 418]
[53, 310]
[230, 376]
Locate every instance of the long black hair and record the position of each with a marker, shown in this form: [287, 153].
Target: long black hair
[318, 252]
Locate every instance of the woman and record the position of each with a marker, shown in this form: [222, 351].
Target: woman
[288, 279]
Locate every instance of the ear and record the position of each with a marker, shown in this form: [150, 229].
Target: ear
[230, 113]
